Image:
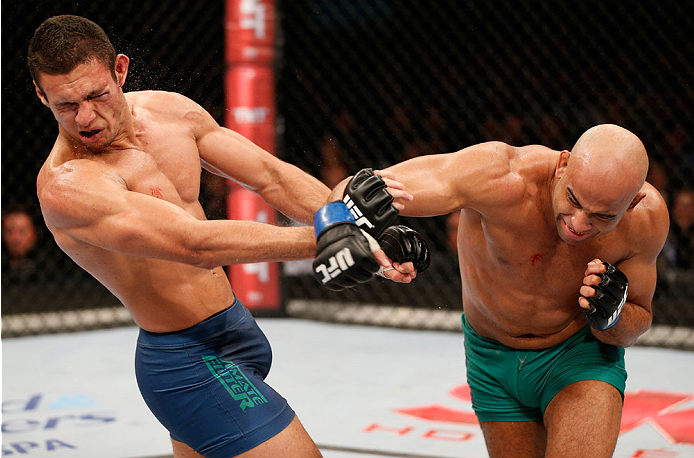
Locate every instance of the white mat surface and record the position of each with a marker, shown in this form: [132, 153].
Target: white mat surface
[74, 395]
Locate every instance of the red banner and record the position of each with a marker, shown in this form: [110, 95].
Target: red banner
[250, 95]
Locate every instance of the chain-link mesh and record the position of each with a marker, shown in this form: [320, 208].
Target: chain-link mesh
[375, 82]
[370, 83]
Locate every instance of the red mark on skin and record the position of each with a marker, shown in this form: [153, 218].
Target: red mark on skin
[534, 258]
[156, 192]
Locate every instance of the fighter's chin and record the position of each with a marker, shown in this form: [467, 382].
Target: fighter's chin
[95, 142]
[570, 241]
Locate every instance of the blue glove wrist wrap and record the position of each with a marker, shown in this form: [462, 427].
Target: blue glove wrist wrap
[329, 214]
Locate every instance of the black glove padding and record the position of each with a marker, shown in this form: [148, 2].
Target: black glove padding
[369, 202]
[402, 244]
[610, 296]
[343, 257]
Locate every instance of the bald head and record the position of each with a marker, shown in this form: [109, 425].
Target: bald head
[598, 182]
[611, 160]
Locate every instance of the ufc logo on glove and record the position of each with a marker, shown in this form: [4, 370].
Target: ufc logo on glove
[358, 216]
[340, 262]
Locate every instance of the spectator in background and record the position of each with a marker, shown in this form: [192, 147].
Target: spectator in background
[676, 260]
[514, 129]
[417, 147]
[333, 169]
[551, 130]
[452, 221]
[510, 127]
[679, 151]
[681, 235]
[435, 126]
[674, 138]
[213, 195]
[19, 239]
[658, 176]
[341, 141]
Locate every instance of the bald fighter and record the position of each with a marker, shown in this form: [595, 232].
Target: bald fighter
[557, 253]
[119, 191]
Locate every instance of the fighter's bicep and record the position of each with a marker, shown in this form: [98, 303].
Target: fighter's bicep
[641, 267]
[228, 154]
[642, 275]
[143, 226]
[431, 183]
[477, 177]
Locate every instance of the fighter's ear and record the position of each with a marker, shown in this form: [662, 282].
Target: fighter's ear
[40, 94]
[636, 200]
[121, 68]
[562, 162]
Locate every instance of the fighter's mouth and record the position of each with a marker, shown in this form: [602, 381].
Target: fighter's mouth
[89, 133]
[573, 231]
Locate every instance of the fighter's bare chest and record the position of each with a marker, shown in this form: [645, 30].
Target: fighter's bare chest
[534, 256]
[165, 165]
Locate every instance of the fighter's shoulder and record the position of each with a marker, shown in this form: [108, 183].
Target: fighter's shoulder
[652, 208]
[489, 174]
[163, 103]
[492, 149]
[493, 158]
[648, 222]
[523, 165]
[506, 155]
[532, 158]
[59, 179]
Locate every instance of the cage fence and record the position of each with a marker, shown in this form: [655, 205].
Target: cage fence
[370, 83]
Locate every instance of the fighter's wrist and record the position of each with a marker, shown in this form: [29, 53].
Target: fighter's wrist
[329, 215]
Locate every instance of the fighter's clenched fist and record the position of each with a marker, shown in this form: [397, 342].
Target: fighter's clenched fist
[603, 294]
[344, 255]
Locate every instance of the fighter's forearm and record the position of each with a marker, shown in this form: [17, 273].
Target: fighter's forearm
[633, 321]
[223, 242]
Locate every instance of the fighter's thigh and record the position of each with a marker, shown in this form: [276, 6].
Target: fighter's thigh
[181, 450]
[514, 439]
[583, 419]
[293, 441]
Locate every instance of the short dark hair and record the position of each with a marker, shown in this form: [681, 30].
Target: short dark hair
[61, 43]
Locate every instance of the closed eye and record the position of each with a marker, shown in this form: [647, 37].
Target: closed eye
[66, 106]
[574, 201]
[572, 198]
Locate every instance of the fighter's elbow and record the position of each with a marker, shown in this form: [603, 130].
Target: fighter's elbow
[193, 246]
[625, 342]
[204, 259]
[622, 339]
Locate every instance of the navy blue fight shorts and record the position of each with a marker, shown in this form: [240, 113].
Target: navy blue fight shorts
[205, 383]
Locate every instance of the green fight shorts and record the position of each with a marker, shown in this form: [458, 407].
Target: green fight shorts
[508, 384]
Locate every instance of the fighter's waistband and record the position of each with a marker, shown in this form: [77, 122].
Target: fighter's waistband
[208, 329]
[486, 342]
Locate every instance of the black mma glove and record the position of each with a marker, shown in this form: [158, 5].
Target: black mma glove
[369, 202]
[610, 296]
[402, 244]
[344, 254]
